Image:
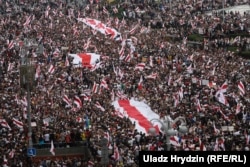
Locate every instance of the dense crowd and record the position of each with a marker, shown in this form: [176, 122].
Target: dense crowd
[159, 40]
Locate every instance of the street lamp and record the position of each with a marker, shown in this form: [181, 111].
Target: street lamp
[166, 127]
[27, 78]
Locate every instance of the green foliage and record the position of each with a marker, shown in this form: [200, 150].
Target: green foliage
[245, 54]
[195, 37]
[232, 48]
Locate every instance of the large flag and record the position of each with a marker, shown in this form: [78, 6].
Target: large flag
[139, 113]
[101, 27]
[52, 148]
[85, 59]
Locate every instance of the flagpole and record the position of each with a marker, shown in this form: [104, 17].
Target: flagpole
[27, 78]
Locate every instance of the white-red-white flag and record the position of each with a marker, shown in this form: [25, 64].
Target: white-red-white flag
[198, 105]
[5, 124]
[116, 154]
[223, 87]
[18, 123]
[77, 102]
[104, 84]
[140, 83]
[52, 148]
[128, 58]
[51, 69]
[241, 88]
[152, 76]
[66, 100]
[238, 107]
[91, 163]
[38, 72]
[98, 105]
[67, 62]
[140, 66]
[95, 88]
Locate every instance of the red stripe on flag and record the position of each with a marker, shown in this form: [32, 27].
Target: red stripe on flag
[135, 114]
[85, 59]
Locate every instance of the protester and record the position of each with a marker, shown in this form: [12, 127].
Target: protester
[204, 82]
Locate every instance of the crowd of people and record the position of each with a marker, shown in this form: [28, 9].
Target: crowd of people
[205, 82]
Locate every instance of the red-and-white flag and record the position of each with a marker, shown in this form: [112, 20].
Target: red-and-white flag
[202, 146]
[107, 136]
[140, 83]
[86, 45]
[121, 52]
[98, 105]
[91, 163]
[12, 153]
[116, 154]
[18, 123]
[140, 66]
[56, 52]
[79, 119]
[67, 62]
[86, 97]
[151, 61]
[77, 102]
[4, 124]
[105, 11]
[119, 114]
[38, 71]
[132, 31]
[137, 9]
[221, 98]
[95, 88]
[121, 95]
[51, 69]
[85, 59]
[241, 88]
[66, 100]
[190, 69]
[104, 84]
[27, 22]
[112, 95]
[176, 99]
[223, 87]
[198, 105]
[127, 58]
[10, 66]
[152, 76]
[47, 11]
[115, 10]
[216, 131]
[238, 107]
[224, 116]
[52, 148]
[181, 93]
[169, 80]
